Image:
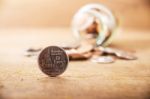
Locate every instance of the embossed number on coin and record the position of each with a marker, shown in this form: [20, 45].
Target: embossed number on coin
[53, 61]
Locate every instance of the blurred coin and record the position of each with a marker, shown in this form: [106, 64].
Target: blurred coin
[83, 52]
[119, 53]
[97, 52]
[106, 50]
[34, 50]
[93, 29]
[103, 59]
[53, 61]
[79, 56]
[125, 55]
[75, 55]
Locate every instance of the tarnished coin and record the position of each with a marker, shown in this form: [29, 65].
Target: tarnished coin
[53, 61]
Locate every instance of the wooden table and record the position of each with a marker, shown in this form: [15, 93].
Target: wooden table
[20, 77]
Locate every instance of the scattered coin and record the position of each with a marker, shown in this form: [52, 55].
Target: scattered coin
[34, 50]
[118, 53]
[125, 55]
[29, 55]
[53, 61]
[97, 52]
[106, 50]
[93, 29]
[75, 55]
[103, 59]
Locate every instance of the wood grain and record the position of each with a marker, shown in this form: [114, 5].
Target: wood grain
[20, 77]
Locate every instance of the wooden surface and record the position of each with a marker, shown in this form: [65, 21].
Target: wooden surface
[20, 77]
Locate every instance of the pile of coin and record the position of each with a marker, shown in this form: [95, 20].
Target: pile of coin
[93, 26]
[53, 60]
[99, 54]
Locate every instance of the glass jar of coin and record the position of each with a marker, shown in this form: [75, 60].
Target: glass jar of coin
[94, 23]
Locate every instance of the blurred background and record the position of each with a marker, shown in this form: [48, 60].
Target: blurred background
[134, 14]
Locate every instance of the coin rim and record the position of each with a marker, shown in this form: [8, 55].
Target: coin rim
[66, 61]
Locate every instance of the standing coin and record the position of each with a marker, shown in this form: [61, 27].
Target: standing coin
[53, 61]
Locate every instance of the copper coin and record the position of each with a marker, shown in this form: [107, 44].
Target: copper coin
[75, 55]
[53, 61]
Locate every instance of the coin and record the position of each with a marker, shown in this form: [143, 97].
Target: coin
[106, 50]
[83, 52]
[119, 53]
[34, 50]
[103, 59]
[75, 55]
[125, 55]
[93, 29]
[53, 61]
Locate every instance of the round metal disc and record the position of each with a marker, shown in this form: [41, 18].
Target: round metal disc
[53, 61]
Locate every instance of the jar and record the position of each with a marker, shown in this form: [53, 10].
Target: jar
[94, 23]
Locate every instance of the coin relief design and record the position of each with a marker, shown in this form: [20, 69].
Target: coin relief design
[53, 61]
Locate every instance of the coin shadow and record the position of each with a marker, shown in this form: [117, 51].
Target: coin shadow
[53, 84]
[53, 79]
